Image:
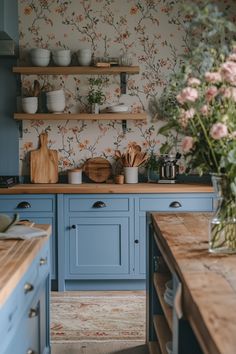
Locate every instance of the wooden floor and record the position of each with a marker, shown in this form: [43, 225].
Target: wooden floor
[116, 347]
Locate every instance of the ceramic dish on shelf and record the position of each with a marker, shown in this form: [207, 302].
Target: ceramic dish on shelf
[117, 108]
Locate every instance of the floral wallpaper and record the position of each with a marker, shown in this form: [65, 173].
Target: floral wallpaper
[150, 31]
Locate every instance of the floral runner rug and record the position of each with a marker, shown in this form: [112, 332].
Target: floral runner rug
[92, 316]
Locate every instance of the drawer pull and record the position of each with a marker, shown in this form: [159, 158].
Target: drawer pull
[23, 205]
[99, 204]
[73, 227]
[28, 287]
[33, 313]
[175, 204]
[43, 261]
[30, 351]
[136, 241]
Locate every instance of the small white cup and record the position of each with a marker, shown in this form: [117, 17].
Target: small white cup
[30, 104]
[75, 176]
[131, 174]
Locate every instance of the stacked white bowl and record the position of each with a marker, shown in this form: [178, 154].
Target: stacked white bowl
[30, 104]
[61, 57]
[56, 101]
[84, 56]
[40, 56]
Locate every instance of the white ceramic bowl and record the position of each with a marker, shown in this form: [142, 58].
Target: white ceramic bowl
[56, 107]
[30, 104]
[61, 53]
[40, 61]
[55, 93]
[84, 56]
[41, 52]
[61, 60]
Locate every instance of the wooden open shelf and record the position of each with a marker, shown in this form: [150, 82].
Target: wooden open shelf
[80, 116]
[159, 280]
[74, 70]
[154, 348]
[162, 331]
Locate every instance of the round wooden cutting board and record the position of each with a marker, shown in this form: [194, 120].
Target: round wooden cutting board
[98, 169]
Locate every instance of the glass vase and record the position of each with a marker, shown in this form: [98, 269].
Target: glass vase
[223, 223]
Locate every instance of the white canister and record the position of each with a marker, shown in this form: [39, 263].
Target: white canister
[131, 174]
[75, 176]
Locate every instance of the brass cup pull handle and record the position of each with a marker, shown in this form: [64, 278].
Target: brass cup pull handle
[43, 261]
[23, 205]
[28, 287]
[33, 313]
[99, 204]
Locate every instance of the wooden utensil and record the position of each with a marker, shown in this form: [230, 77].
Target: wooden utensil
[44, 163]
[98, 169]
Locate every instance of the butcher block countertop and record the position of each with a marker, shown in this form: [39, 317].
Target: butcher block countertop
[15, 258]
[209, 280]
[100, 188]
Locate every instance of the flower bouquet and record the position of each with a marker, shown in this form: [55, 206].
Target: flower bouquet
[206, 117]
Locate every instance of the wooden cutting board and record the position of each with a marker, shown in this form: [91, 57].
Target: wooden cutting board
[44, 163]
[98, 169]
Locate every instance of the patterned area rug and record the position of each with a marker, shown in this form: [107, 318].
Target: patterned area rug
[89, 316]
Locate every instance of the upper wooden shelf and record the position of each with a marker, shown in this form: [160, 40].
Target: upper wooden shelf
[81, 116]
[75, 70]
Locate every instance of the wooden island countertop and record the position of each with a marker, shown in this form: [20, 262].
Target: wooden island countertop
[208, 280]
[15, 258]
[100, 188]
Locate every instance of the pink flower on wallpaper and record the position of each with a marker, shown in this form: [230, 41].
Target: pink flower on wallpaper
[192, 81]
[133, 10]
[204, 110]
[187, 143]
[228, 72]
[219, 131]
[188, 94]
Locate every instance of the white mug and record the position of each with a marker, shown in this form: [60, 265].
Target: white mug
[75, 176]
[131, 174]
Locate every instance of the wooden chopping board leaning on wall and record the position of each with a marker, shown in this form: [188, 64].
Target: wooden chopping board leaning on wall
[44, 163]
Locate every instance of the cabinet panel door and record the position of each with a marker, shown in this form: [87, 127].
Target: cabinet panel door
[97, 246]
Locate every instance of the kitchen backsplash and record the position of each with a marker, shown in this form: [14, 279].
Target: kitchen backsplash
[151, 31]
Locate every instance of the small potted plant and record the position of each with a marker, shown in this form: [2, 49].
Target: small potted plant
[95, 96]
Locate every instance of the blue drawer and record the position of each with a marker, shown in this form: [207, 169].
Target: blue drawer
[176, 204]
[24, 203]
[98, 204]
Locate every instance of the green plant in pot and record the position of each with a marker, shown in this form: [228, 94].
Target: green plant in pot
[95, 96]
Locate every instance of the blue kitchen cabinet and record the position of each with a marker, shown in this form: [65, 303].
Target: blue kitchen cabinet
[163, 203]
[97, 244]
[24, 324]
[38, 208]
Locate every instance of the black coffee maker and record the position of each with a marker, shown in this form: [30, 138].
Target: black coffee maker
[169, 168]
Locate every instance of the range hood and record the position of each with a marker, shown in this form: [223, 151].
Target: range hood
[7, 45]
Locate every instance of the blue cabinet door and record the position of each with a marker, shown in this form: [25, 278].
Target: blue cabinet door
[97, 247]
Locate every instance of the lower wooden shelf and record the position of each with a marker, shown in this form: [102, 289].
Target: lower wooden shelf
[154, 348]
[159, 280]
[162, 331]
[80, 116]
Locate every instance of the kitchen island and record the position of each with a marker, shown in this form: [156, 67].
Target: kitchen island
[203, 318]
[24, 294]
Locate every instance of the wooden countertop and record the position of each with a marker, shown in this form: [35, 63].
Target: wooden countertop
[15, 258]
[100, 188]
[209, 280]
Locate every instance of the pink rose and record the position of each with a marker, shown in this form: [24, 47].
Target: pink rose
[187, 143]
[211, 92]
[228, 71]
[188, 94]
[218, 131]
[192, 81]
[213, 77]
[204, 110]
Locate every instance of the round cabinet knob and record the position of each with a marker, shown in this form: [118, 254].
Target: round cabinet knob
[33, 313]
[28, 287]
[73, 226]
[43, 261]
[136, 241]
[175, 204]
[23, 205]
[99, 204]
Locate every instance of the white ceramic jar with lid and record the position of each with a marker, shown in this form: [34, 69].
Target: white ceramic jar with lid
[75, 176]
